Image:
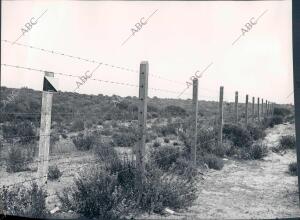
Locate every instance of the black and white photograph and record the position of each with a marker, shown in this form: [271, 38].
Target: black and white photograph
[148, 110]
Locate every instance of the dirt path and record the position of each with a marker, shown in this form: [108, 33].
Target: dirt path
[249, 189]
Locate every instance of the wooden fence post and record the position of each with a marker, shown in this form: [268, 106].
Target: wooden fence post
[45, 126]
[253, 108]
[258, 116]
[296, 92]
[221, 116]
[236, 107]
[195, 118]
[271, 107]
[266, 113]
[142, 118]
[246, 111]
[262, 108]
[253, 105]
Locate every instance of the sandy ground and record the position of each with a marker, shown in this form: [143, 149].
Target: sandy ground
[248, 189]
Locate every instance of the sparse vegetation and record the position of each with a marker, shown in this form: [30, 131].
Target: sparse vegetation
[124, 139]
[54, 173]
[164, 130]
[279, 111]
[97, 194]
[23, 131]
[105, 194]
[239, 136]
[77, 125]
[258, 151]
[17, 160]
[166, 140]
[275, 120]
[293, 168]
[156, 144]
[105, 152]
[174, 111]
[24, 201]
[285, 142]
[83, 142]
[108, 189]
[212, 161]
[165, 157]
[256, 131]
[167, 190]
[288, 142]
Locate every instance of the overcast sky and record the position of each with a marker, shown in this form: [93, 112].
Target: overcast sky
[178, 39]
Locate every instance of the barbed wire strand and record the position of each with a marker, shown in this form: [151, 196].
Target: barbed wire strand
[95, 79]
[92, 61]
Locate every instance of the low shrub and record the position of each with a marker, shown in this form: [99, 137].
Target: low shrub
[165, 157]
[53, 139]
[293, 168]
[77, 125]
[290, 119]
[212, 161]
[54, 173]
[96, 194]
[151, 136]
[112, 193]
[287, 142]
[161, 190]
[184, 168]
[275, 120]
[83, 142]
[164, 130]
[89, 124]
[256, 131]
[258, 151]
[124, 139]
[23, 201]
[227, 149]
[254, 152]
[173, 111]
[166, 140]
[239, 136]
[24, 130]
[64, 136]
[281, 111]
[107, 132]
[105, 152]
[206, 142]
[156, 144]
[18, 159]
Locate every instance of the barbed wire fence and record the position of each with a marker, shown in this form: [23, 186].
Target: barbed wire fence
[226, 111]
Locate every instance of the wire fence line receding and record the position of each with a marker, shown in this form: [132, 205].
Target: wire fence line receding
[91, 161]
